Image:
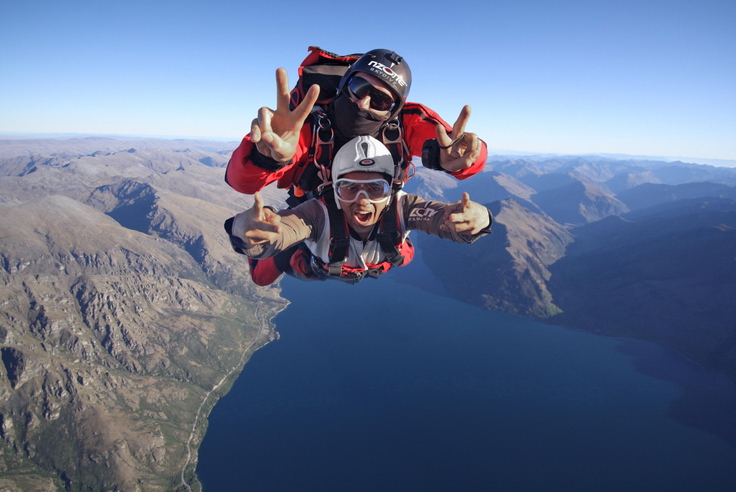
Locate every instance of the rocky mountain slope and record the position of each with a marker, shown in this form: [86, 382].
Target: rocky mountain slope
[507, 271]
[125, 314]
[623, 248]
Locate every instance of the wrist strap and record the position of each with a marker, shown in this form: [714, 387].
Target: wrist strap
[431, 155]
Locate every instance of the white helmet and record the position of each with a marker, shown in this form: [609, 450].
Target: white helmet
[364, 154]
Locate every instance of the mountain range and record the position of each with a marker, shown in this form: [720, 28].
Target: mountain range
[639, 249]
[125, 314]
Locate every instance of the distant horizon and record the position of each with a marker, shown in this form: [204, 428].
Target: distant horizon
[729, 163]
[117, 136]
[574, 77]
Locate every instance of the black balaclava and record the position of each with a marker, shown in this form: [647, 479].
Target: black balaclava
[352, 121]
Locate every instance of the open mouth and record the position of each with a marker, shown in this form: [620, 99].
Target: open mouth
[363, 217]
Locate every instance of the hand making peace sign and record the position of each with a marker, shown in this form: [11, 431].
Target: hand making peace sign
[276, 133]
[460, 151]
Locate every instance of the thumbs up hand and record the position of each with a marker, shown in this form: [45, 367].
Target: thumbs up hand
[466, 217]
[257, 225]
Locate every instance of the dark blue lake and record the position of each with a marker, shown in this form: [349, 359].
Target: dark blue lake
[383, 387]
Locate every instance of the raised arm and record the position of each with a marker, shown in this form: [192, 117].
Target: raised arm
[276, 133]
[463, 221]
[261, 232]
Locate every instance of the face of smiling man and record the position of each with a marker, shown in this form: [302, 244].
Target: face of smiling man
[363, 214]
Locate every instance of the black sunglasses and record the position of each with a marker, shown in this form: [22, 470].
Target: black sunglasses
[380, 101]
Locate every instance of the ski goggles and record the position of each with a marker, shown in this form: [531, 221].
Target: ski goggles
[360, 88]
[375, 190]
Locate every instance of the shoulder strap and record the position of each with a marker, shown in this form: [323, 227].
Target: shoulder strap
[322, 150]
[315, 170]
[389, 237]
[392, 137]
[339, 238]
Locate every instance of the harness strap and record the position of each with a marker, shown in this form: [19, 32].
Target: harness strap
[324, 143]
[315, 170]
[317, 173]
[393, 139]
[339, 240]
[389, 236]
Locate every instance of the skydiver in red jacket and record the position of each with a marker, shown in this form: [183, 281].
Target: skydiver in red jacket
[293, 146]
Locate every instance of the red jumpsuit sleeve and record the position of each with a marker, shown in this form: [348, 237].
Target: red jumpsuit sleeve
[420, 124]
[243, 175]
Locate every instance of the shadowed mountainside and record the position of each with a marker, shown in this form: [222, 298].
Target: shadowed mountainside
[666, 275]
[652, 260]
[509, 269]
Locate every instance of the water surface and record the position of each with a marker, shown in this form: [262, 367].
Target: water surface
[383, 387]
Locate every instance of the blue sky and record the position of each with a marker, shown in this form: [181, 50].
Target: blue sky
[634, 77]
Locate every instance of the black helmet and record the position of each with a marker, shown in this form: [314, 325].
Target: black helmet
[387, 66]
